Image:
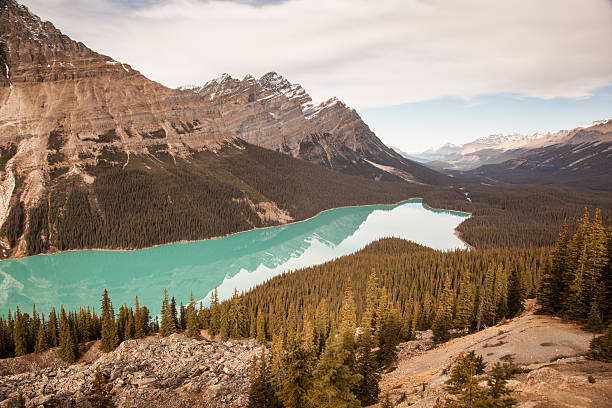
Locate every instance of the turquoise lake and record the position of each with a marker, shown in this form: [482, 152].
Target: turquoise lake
[239, 261]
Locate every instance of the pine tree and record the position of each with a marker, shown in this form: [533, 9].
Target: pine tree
[386, 402]
[464, 380]
[52, 329]
[261, 393]
[601, 347]
[556, 280]
[444, 315]
[215, 322]
[322, 325]
[594, 265]
[41, 340]
[174, 315]
[101, 394]
[515, 294]
[277, 372]
[261, 328]
[333, 378]
[372, 299]
[224, 325]
[168, 321]
[297, 378]
[367, 389]
[498, 395]
[109, 337]
[486, 309]
[593, 322]
[193, 324]
[465, 303]
[237, 317]
[68, 347]
[501, 294]
[20, 339]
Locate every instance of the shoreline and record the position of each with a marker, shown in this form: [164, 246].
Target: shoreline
[455, 232]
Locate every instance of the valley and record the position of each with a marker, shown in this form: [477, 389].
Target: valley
[240, 243]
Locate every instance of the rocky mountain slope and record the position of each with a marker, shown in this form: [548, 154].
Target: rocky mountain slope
[581, 157]
[272, 112]
[485, 150]
[93, 154]
[431, 154]
[549, 351]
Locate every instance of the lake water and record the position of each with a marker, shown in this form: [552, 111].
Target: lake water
[239, 261]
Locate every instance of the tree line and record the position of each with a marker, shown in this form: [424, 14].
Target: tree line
[577, 282]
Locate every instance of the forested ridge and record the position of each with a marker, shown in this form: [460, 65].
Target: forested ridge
[149, 199]
[153, 199]
[512, 216]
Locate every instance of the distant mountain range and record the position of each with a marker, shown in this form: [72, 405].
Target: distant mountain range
[580, 158]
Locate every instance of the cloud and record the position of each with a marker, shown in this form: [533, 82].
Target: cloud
[368, 53]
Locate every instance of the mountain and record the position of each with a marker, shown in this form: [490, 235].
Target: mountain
[95, 155]
[485, 150]
[431, 154]
[273, 113]
[581, 158]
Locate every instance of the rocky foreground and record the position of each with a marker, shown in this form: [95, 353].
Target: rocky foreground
[176, 371]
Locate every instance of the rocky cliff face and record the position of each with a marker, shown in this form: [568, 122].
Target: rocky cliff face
[274, 113]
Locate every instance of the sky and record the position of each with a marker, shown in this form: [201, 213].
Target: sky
[420, 72]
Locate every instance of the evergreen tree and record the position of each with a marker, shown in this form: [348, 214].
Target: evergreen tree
[193, 324]
[464, 380]
[68, 347]
[168, 317]
[515, 294]
[215, 322]
[498, 395]
[556, 280]
[444, 315]
[593, 322]
[20, 339]
[41, 340]
[297, 378]
[261, 329]
[277, 372]
[486, 309]
[594, 265]
[52, 329]
[367, 389]
[261, 393]
[465, 303]
[501, 294]
[224, 325]
[237, 317]
[101, 394]
[601, 347]
[372, 299]
[386, 403]
[109, 337]
[174, 316]
[333, 378]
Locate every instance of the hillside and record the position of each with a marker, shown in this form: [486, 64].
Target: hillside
[547, 349]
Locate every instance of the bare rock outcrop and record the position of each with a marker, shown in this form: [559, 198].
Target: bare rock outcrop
[164, 372]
